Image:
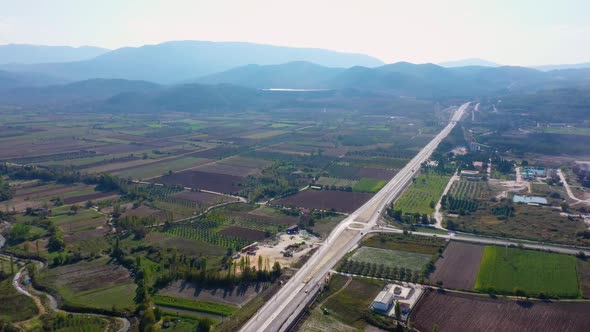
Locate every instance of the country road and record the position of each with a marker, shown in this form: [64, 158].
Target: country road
[284, 308]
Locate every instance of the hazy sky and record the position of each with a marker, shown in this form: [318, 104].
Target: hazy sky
[518, 32]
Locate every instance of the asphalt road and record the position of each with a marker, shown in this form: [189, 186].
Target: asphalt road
[283, 308]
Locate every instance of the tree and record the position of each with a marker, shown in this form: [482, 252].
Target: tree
[435, 328]
[74, 208]
[204, 325]
[398, 311]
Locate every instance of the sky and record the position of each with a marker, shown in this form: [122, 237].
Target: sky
[512, 32]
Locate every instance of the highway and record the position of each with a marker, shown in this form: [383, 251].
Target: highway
[286, 305]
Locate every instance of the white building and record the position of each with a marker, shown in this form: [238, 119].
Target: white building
[383, 301]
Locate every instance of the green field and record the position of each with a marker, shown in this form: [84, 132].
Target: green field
[337, 182]
[200, 306]
[507, 269]
[421, 196]
[351, 304]
[120, 295]
[410, 243]
[369, 185]
[14, 307]
[391, 258]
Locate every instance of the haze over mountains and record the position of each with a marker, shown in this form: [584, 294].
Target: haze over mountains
[29, 54]
[152, 76]
[178, 61]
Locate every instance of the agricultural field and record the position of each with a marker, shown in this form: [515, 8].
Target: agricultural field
[525, 222]
[422, 195]
[93, 284]
[14, 307]
[213, 308]
[326, 200]
[398, 257]
[222, 183]
[352, 303]
[470, 190]
[505, 270]
[335, 182]
[458, 266]
[391, 258]
[369, 185]
[460, 312]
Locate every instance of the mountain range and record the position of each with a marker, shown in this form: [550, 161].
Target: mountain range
[30, 54]
[178, 61]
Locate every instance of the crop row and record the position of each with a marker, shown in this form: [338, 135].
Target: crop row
[478, 190]
[197, 232]
[379, 271]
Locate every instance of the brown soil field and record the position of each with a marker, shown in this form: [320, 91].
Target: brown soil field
[86, 235]
[326, 199]
[376, 173]
[271, 220]
[228, 169]
[203, 180]
[460, 312]
[458, 266]
[122, 148]
[18, 147]
[202, 197]
[336, 152]
[244, 233]
[128, 137]
[214, 153]
[89, 197]
[85, 276]
[145, 211]
[109, 161]
[48, 191]
[236, 296]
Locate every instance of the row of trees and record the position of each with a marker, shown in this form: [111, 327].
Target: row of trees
[381, 271]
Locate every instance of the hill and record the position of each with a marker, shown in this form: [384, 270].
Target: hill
[83, 91]
[29, 54]
[182, 61]
[563, 66]
[293, 75]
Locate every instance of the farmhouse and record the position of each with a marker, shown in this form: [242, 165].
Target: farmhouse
[383, 302]
[530, 173]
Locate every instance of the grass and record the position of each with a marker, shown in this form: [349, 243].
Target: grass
[338, 182]
[120, 296]
[409, 243]
[369, 185]
[391, 258]
[507, 269]
[352, 303]
[200, 306]
[14, 307]
[422, 194]
[583, 268]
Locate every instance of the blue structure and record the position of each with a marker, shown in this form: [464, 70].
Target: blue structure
[529, 199]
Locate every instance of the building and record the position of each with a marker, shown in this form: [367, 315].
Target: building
[383, 302]
[293, 229]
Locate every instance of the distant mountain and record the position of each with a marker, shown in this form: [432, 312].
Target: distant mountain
[469, 62]
[95, 89]
[566, 66]
[182, 61]
[29, 54]
[293, 75]
[9, 80]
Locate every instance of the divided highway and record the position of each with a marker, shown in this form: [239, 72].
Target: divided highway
[284, 307]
